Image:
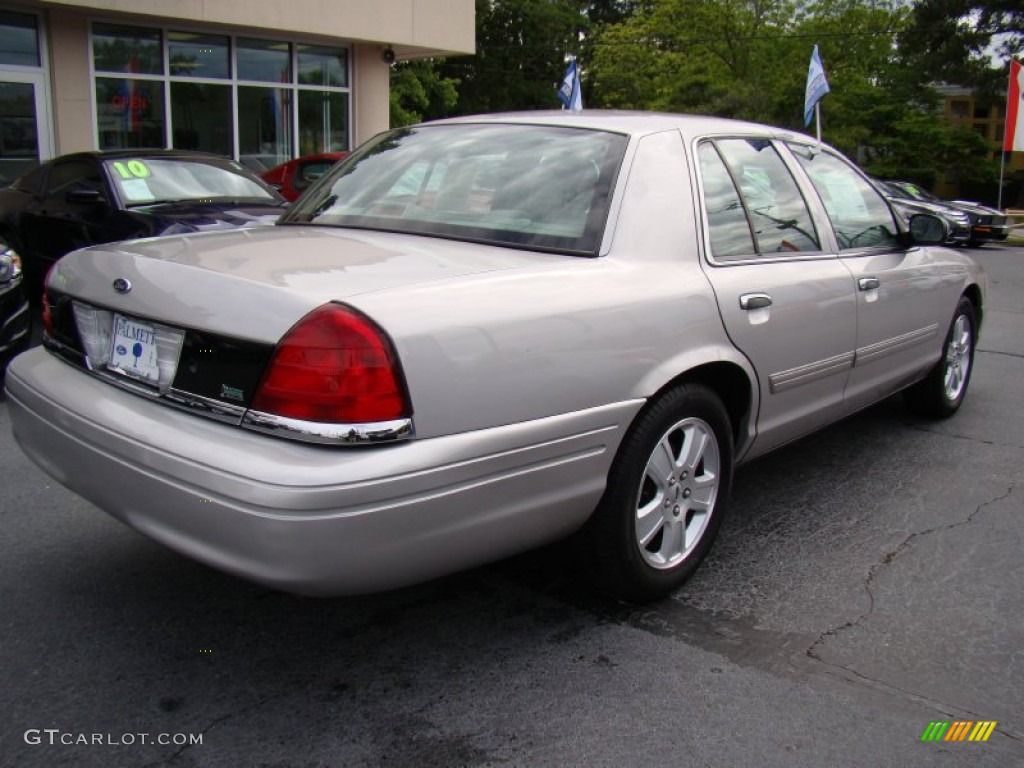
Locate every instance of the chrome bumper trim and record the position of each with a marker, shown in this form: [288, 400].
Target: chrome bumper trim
[328, 434]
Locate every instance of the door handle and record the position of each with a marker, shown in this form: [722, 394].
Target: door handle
[868, 283]
[755, 301]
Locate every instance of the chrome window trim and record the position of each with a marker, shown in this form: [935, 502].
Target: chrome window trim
[326, 433]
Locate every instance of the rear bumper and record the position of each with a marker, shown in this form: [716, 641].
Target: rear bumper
[305, 518]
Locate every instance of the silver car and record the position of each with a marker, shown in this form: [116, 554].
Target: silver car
[480, 335]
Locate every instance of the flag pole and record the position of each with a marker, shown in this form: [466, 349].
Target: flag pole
[1002, 165]
[817, 120]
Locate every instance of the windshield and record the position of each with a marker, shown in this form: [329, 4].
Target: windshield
[521, 185]
[153, 180]
[915, 192]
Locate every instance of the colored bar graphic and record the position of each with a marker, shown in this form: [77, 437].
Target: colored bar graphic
[959, 730]
[983, 730]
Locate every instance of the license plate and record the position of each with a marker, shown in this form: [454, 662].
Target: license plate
[133, 349]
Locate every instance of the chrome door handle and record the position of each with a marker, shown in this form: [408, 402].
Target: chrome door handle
[868, 283]
[755, 300]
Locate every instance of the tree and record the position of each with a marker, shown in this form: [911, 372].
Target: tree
[748, 59]
[419, 91]
[522, 48]
[956, 40]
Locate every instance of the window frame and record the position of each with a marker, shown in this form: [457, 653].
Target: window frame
[840, 251]
[807, 193]
[232, 81]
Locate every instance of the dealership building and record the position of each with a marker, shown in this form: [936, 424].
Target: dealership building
[258, 80]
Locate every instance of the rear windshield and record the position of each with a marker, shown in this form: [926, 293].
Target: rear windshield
[519, 185]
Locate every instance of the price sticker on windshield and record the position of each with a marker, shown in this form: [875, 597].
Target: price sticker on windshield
[131, 169]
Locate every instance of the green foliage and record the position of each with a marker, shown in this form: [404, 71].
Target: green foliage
[955, 40]
[419, 91]
[748, 59]
[522, 48]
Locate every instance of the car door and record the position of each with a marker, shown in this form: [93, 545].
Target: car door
[73, 211]
[787, 303]
[903, 300]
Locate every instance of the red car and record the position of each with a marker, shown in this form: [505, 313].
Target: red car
[291, 179]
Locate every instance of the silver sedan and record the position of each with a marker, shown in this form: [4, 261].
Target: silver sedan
[480, 335]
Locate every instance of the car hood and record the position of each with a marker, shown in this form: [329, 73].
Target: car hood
[976, 208]
[925, 207]
[192, 216]
[256, 283]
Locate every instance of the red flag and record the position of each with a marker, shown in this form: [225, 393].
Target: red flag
[1013, 137]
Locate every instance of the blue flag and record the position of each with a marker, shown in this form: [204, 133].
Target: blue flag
[817, 86]
[569, 93]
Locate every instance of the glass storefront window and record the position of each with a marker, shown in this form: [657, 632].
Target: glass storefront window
[19, 139]
[322, 65]
[196, 55]
[275, 99]
[136, 50]
[322, 124]
[264, 126]
[269, 61]
[20, 45]
[201, 117]
[129, 113]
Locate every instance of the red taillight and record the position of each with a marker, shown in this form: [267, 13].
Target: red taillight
[47, 316]
[333, 366]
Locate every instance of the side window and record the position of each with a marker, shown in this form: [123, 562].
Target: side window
[73, 174]
[310, 172]
[778, 212]
[860, 216]
[727, 222]
[30, 181]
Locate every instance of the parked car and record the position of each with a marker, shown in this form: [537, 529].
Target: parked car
[491, 333]
[987, 224]
[293, 178]
[14, 311]
[87, 198]
[958, 222]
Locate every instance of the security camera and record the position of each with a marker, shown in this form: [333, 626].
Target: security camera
[388, 55]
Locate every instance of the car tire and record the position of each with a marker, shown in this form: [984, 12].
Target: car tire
[665, 498]
[975, 243]
[942, 391]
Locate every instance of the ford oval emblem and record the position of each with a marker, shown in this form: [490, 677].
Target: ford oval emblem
[122, 285]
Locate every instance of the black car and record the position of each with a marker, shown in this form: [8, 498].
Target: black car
[87, 198]
[986, 224]
[14, 314]
[957, 222]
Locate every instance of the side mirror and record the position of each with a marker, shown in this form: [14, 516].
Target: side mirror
[926, 229]
[84, 196]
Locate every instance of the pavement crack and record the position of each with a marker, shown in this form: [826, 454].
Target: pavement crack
[886, 560]
[213, 724]
[999, 352]
[923, 428]
[944, 709]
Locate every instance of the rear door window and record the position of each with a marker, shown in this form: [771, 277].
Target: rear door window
[754, 207]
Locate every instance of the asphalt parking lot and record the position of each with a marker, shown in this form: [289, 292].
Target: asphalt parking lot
[869, 582]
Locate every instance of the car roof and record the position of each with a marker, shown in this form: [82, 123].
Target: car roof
[631, 123]
[105, 154]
